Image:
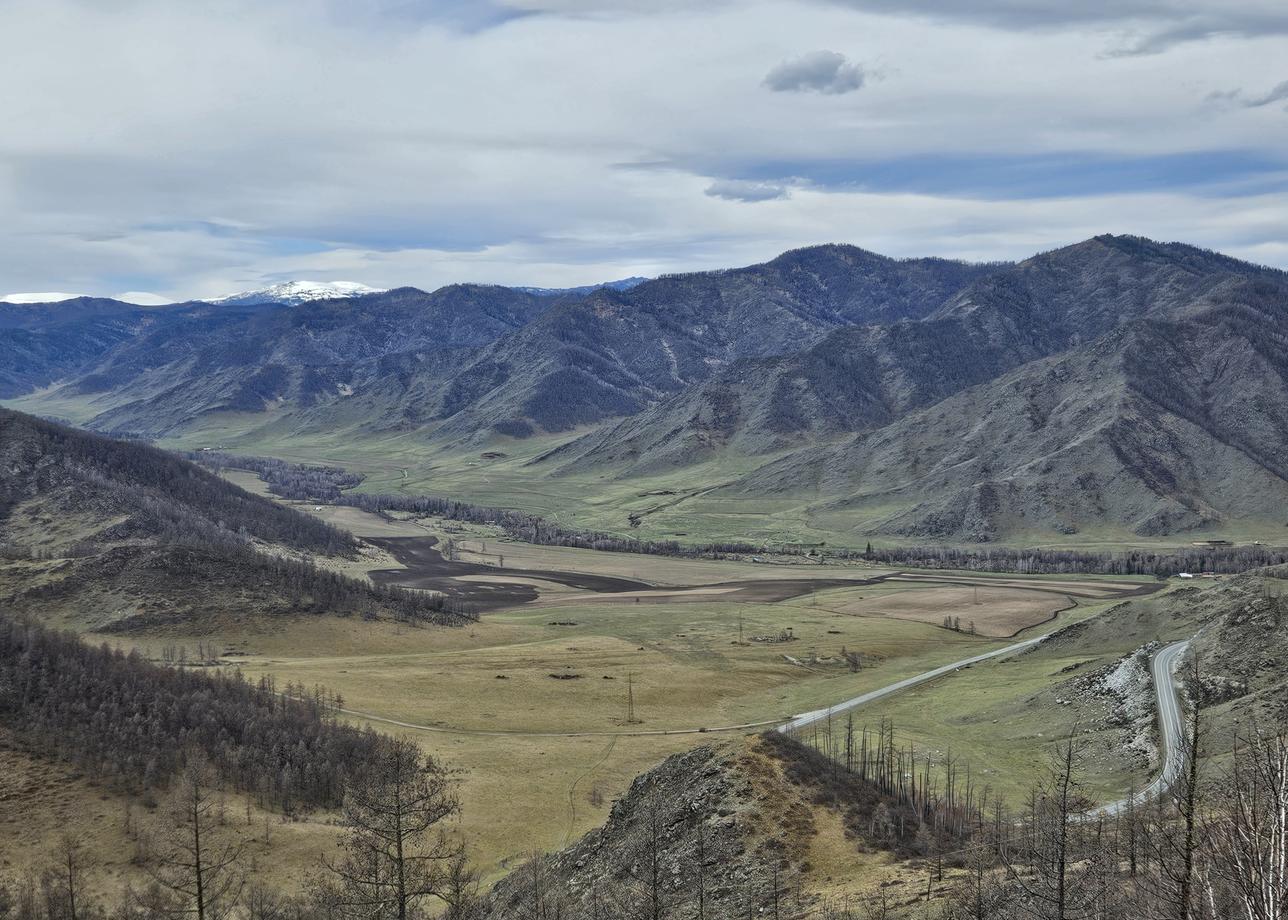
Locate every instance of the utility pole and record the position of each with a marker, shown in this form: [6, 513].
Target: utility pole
[630, 699]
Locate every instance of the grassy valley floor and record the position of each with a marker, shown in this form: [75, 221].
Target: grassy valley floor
[532, 704]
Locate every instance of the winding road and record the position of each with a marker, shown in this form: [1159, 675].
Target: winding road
[1171, 729]
[1171, 724]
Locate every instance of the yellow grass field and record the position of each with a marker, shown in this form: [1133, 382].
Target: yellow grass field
[984, 610]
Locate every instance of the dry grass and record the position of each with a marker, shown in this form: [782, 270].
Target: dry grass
[985, 610]
[41, 800]
[485, 694]
[525, 793]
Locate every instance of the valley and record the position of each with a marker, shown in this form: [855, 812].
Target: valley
[532, 702]
[637, 460]
[589, 548]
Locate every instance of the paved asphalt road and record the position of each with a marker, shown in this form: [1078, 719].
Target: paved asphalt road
[1170, 715]
[819, 715]
[1171, 728]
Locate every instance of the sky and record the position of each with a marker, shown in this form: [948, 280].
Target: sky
[174, 149]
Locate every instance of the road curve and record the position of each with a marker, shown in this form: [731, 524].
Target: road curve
[818, 715]
[1171, 729]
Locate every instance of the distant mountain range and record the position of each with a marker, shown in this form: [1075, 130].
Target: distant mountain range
[1117, 382]
[293, 293]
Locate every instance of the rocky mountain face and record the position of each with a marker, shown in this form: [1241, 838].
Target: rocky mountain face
[864, 377]
[724, 831]
[1160, 427]
[468, 358]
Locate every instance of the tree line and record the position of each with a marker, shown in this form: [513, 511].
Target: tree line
[295, 586]
[118, 716]
[297, 481]
[1225, 560]
[334, 485]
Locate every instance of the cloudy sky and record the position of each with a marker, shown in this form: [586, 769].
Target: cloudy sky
[177, 148]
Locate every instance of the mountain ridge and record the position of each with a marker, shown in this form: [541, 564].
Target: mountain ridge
[824, 358]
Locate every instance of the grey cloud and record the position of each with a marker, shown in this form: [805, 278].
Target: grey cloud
[1227, 98]
[1278, 94]
[746, 190]
[1189, 30]
[819, 72]
[1156, 25]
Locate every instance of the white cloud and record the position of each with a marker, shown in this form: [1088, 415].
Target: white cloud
[38, 297]
[142, 298]
[194, 149]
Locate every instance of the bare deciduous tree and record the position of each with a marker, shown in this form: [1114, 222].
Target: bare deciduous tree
[395, 854]
[195, 856]
[1247, 832]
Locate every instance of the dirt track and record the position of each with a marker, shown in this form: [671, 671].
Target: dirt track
[425, 568]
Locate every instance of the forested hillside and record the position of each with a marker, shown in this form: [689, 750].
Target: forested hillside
[114, 535]
[160, 494]
[44, 343]
[135, 723]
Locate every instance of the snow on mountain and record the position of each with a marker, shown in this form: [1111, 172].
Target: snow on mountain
[298, 292]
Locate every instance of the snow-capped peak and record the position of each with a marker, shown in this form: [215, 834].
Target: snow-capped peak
[297, 292]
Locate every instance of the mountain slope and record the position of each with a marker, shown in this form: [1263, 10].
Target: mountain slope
[731, 826]
[857, 378]
[469, 360]
[917, 398]
[45, 342]
[268, 356]
[1159, 427]
[860, 378]
[615, 352]
[111, 535]
[139, 492]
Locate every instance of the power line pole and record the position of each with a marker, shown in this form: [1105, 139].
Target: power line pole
[630, 699]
